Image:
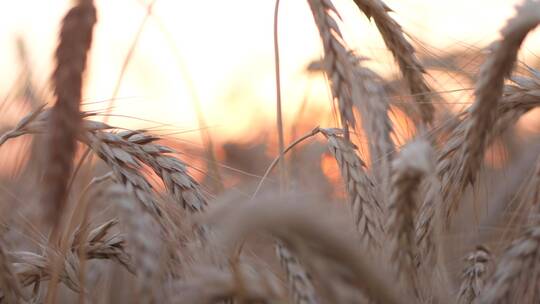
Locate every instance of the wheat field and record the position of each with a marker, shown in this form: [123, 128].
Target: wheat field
[403, 200]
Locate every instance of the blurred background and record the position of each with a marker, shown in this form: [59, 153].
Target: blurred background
[186, 66]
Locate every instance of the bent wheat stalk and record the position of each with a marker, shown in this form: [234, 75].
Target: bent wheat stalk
[483, 112]
[312, 237]
[182, 187]
[124, 152]
[207, 285]
[367, 212]
[518, 99]
[403, 53]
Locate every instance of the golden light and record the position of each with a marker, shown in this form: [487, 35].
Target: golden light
[220, 53]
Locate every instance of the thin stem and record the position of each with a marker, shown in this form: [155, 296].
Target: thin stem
[127, 60]
[83, 208]
[313, 132]
[63, 240]
[278, 158]
[213, 165]
[278, 102]
[78, 168]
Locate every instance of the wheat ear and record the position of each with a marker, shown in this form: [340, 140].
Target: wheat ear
[207, 285]
[32, 268]
[144, 243]
[182, 187]
[519, 98]
[409, 170]
[517, 274]
[483, 112]
[126, 170]
[403, 53]
[337, 64]
[324, 246]
[474, 275]
[300, 285]
[65, 122]
[367, 212]
[10, 289]
[124, 152]
[373, 108]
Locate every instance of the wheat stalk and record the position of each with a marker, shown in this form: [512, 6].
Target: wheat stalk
[300, 284]
[9, 284]
[182, 187]
[518, 100]
[100, 244]
[403, 53]
[373, 107]
[32, 268]
[425, 238]
[516, 275]
[323, 260]
[367, 212]
[124, 152]
[483, 112]
[474, 275]
[410, 168]
[125, 169]
[145, 245]
[324, 246]
[337, 64]
[209, 285]
[65, 121]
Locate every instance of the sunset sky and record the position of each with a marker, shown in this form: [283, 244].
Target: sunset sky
[224, 49]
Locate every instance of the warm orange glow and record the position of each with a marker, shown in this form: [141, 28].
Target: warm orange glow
[496, 155]
[403, 127]
[12, 158]
[331, 171]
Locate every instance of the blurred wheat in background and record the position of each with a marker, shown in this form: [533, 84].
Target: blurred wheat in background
[361, 163]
